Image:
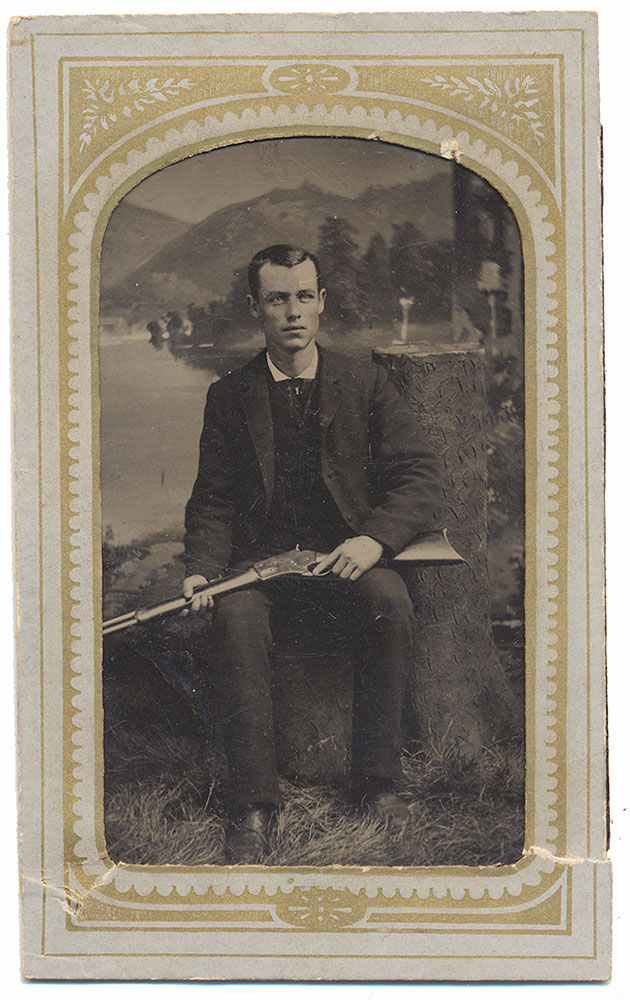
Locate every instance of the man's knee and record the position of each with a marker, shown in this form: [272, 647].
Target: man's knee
[242, 613]
[383, 593]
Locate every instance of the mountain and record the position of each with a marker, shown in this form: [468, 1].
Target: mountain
[132, 237]
[199, 264]
[428, 204]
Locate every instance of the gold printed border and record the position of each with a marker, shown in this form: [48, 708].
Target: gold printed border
[518, 101]
[547, 909]
[99, 892]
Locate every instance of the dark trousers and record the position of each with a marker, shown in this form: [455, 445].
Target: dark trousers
[377, 610]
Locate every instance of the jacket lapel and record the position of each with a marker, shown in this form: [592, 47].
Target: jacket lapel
[255, 396]
[329, 391]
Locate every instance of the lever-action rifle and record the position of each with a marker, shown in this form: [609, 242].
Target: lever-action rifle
[429, 549]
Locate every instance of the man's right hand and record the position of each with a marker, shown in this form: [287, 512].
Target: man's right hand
[201, 602]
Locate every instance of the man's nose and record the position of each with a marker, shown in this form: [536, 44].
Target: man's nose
[293, 308]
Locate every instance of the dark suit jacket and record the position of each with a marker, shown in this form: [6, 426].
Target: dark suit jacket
[375, 461]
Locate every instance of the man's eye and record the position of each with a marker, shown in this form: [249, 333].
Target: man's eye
[305, 295]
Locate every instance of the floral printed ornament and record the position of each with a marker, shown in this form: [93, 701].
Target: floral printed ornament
[104, 103]
[514, 101]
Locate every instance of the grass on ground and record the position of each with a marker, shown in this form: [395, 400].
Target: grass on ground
[462, 813]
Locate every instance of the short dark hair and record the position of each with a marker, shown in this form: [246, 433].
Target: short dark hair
[281, 253]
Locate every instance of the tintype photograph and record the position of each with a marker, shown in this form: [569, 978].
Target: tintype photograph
[309, 493]
[312, 478]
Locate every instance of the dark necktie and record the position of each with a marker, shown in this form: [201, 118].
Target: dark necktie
[296, 385]
[296, 390]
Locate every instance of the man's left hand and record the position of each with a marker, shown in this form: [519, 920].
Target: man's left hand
[352, 558]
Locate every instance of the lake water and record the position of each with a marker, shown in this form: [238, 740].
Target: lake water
[151, 418]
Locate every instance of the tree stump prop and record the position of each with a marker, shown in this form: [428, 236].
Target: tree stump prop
[459, 694]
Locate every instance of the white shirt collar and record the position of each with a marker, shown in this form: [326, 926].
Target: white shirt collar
[308, 373]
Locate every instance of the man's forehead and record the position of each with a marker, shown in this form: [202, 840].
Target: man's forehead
[277, 278]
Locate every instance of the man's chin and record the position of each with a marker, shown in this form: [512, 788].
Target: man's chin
[298, 341]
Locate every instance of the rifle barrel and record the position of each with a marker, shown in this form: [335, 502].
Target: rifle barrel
[142, 615]
[121, 618]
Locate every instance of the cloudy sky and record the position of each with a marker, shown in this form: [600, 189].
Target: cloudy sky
[194, 188]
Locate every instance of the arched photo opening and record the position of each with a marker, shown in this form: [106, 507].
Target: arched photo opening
[422, 264]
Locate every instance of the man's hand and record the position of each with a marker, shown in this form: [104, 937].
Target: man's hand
[200, 603]
[352, 558]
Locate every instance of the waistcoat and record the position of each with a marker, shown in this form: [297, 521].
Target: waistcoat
[302, 510]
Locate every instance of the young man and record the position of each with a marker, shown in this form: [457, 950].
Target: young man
[305, 447]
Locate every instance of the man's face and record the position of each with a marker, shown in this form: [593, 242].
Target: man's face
[289, 305]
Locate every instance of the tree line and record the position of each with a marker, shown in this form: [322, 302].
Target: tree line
[362, 289]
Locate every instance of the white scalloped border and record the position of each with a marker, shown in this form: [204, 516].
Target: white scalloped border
[477, 886]
[192, 896]
[232, 126]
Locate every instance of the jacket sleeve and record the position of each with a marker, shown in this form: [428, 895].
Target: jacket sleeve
[210, 510]
[406, 475]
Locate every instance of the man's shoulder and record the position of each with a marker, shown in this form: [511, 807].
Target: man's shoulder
[357, 371]
[360, 373]
[239, 379]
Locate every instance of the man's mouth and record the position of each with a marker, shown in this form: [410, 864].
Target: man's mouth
[294, 329]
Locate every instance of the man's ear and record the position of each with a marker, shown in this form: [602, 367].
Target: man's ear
[322, 300]
[254, 308]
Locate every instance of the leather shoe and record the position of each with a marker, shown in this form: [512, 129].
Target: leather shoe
[247, 840]
[388, 808]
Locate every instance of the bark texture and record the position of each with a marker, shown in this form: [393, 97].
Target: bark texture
[459, 693]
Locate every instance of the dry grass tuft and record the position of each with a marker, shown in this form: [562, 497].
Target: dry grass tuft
[463, 813]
